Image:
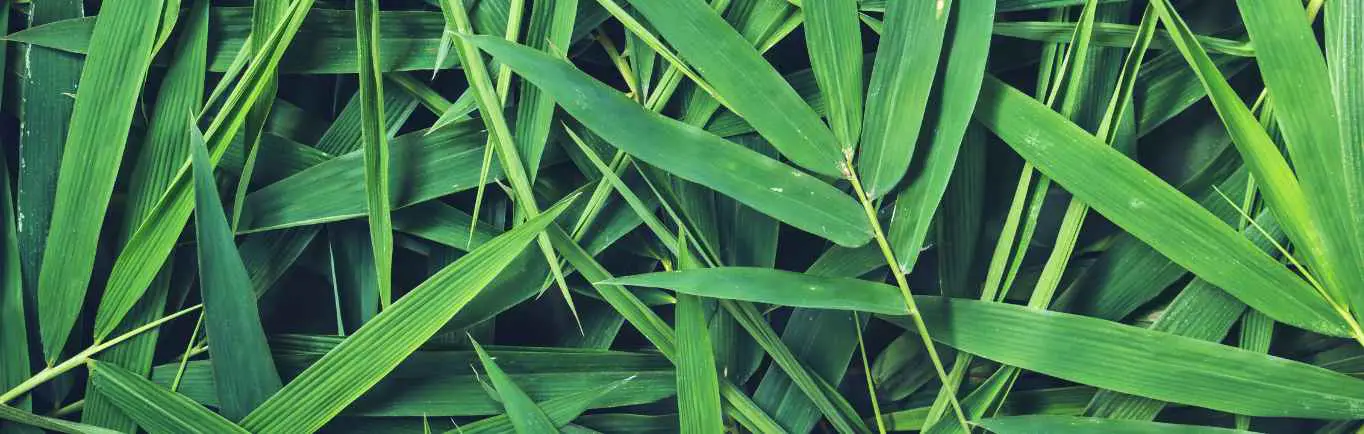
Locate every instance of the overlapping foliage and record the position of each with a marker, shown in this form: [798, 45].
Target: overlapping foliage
[536, 216]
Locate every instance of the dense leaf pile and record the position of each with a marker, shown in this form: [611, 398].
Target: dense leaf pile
[630, 216]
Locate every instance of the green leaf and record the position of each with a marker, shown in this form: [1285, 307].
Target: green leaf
[1277, 183]
[1331, 170]
[48, 423]
[833, 37]
[154, 408]
[1117, 357]
[48, 77]
[1150, 209]
[14, 356]
[763, 285]
[246, 376]
[901, 78]
[150, 245]
[1070, 425]
[329, 385]
[551, 30]
[490, 104]
[959, 84]
[560, 410]
[738, 405]
[439, 383]
[698, 397]
[745, 82]
[1143, 362]
[1113, 35]
[688, 152]
[165, 147]
[525, 415]
[120, 55]
[376, 151]
[1344, 25]
[409, 40]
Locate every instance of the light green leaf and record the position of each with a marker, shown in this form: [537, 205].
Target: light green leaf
[745, 83]
[561, 410]
[374, 136]
[698, 397]
[1113, 35]
[120, 55]
[149, 246]
[525, 415]
[833, 36]
[688, 152]
[154, 408]
[1331, 170]
[897, 97]
[48, 423]
[1150, 209]
[963, 68]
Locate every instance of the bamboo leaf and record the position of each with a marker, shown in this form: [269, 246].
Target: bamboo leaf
[120, 55]
[409, 40]
[150, 245]
[245, 376]
[326, 387]
[959, 84]
[1113, 35]
[760, 182]
[376, 148]
[53, 424]
[1281, 189]
[1066, 424]
[438, 383]
[698, 396]
[525, 415]
[560, 410]
[166, 146]
[1150, 209]
[745, 83]
[901, 78]
[44, 118]
[1117, 357]
[833, 37]
[550, 30]
[153, 407]
[1296, 75]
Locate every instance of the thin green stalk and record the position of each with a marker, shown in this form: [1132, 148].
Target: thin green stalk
[84, 356]
[189, 350]
[866, 370]
[949, 388]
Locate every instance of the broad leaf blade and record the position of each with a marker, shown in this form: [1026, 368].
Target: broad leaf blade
[120, 55]
[897, 97]
[746, 83]
[833, 36]
[1330, 170]
[246, 375]
[688, 152]
[374, 136]
[698, 396]
[959, 84]
[154, 408]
